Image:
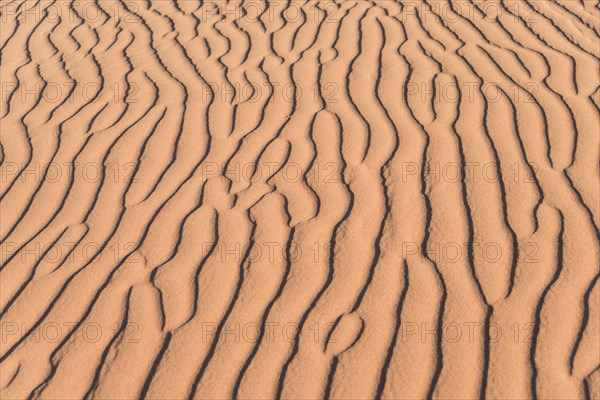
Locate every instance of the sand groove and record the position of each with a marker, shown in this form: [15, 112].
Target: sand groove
[300, 199]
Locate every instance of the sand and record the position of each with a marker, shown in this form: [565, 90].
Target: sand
[300, 199]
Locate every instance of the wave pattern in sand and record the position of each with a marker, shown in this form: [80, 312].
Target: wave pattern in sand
[300, 199]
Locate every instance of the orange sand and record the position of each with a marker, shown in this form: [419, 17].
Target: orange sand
[300, 199]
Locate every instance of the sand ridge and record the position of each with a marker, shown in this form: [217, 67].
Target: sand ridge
[300, 199]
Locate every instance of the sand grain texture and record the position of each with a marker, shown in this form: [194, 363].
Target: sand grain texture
[300, 199]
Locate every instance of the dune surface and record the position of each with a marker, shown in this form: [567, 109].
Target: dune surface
[300, 199]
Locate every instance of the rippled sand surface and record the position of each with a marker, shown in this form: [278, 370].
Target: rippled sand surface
[300, 199]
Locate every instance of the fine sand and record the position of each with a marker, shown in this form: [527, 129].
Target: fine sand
[300, 199]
